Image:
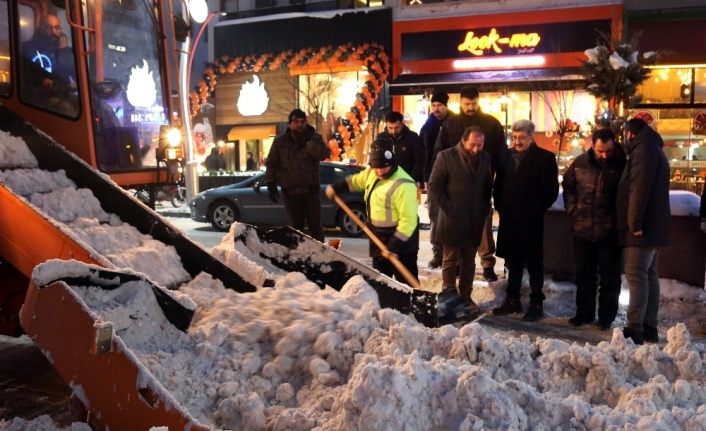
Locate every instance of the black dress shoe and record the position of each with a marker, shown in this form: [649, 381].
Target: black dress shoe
[435, 262]
[534, 312]
[635, 336]
[577, 321]
[650, 334]
[604, 326]
[489, 275]
[509, 306]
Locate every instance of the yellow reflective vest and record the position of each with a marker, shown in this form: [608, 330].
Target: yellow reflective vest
[392, 201]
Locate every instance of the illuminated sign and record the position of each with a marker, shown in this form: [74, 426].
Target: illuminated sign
[475, 42]
[253, 99]
[141, 88]
[478, 45]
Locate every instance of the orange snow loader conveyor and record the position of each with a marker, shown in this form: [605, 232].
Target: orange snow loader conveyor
[116, 392]
[28, 237]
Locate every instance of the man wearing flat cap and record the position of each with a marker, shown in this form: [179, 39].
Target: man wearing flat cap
[391, 201]
[439, 114]
[293, 164]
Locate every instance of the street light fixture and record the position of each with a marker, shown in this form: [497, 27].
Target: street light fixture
[198, 10]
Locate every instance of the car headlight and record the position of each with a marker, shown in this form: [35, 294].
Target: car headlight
[197, 199]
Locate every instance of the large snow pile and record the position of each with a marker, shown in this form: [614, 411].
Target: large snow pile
[681, 203]
[297, 358]
[80, 214]
[41, 423]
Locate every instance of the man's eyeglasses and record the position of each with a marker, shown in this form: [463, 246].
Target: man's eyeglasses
[518, 138]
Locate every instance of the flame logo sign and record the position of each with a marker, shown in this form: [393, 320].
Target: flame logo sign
[253, 98]
[141, 88]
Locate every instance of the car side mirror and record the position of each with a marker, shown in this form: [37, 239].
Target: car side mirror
[257, 186]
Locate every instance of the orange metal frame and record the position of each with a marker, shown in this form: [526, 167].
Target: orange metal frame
[77, 134]
[27, 238]
[120, 395]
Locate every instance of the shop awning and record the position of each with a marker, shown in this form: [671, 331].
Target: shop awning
[488, 81]
[251, 132]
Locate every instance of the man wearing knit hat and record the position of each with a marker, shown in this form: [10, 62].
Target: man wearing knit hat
[293, 164]
[430, 129]
[391, 203]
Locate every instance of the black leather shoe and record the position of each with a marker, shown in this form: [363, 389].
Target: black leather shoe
[604, 326]
[534, 312]
[509, 306]
[635, 336]
[489, 275]
[577, 321]
[435, 262]
[650, 334]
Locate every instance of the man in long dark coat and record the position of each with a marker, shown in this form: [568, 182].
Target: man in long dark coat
[460, 185]
[643, 226]
[428, 133]
[450, 134]
[526, 185]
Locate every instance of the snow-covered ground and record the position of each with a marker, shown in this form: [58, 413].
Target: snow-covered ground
[294, 357]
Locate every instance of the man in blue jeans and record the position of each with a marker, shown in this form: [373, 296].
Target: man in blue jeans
[643, 225]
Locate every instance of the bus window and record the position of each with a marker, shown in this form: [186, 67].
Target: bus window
[4, 50]
[47, 63]
[126, 73]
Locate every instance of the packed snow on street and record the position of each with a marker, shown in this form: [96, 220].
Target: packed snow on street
[296, 357]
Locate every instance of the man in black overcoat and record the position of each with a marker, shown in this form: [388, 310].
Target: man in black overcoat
[643, 225]
[526, 185]
[460, 185]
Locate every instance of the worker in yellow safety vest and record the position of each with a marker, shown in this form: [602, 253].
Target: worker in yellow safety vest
[390, 196]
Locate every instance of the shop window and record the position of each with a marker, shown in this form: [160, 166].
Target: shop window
[4, 51]
[667, 85]
[700, 85]
[684, 133]
[47, 63]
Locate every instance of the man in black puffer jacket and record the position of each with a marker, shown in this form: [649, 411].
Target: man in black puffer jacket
[293, 164]
[408, 148]
[643, 225]
[590, 187]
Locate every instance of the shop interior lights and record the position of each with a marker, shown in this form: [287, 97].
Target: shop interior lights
[499, 62]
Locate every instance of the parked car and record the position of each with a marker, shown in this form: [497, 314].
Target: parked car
[249, 202]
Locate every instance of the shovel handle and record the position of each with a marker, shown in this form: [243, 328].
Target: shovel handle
[392, 257]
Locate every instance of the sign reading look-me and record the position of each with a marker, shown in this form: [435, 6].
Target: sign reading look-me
[502, 41]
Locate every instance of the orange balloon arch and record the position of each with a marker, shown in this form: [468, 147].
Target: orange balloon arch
[370, 55]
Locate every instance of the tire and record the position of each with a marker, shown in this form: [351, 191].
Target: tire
[222, 214]
[178, 197]
[347, 225]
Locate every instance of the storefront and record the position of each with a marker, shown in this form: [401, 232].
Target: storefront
[333, 67]
[674, 96]
[526, 65]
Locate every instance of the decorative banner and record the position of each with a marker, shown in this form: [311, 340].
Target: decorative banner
[370, 55]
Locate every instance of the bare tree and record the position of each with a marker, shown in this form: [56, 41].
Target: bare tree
[561, 108]
[317, 91]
